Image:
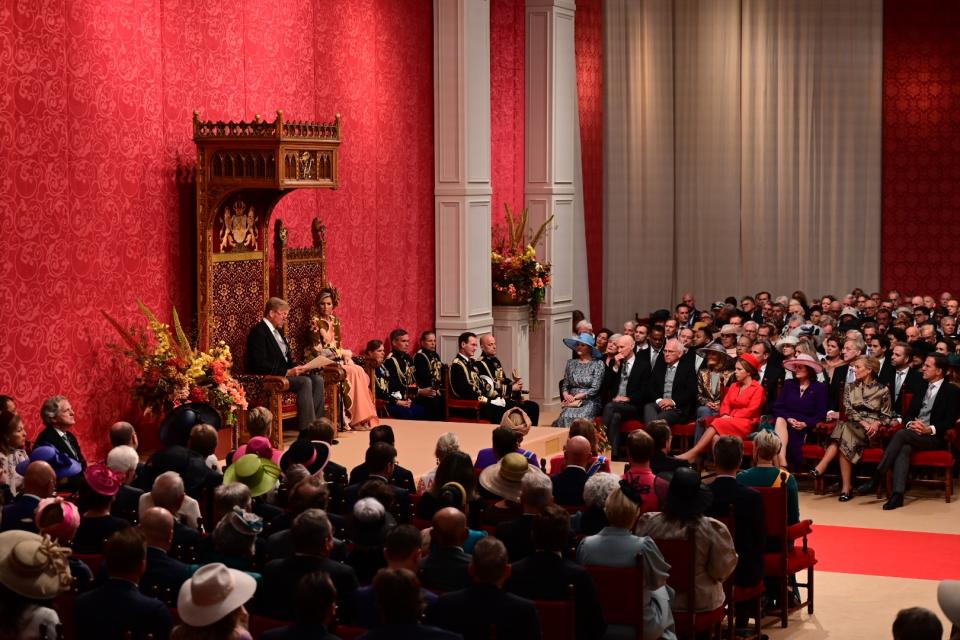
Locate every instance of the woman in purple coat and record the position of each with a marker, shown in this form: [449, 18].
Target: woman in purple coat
[802, 403]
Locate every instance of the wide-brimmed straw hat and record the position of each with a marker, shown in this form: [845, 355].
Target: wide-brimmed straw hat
[803, 360]
[63, 465]
[714, 347]
[212, 593]
[787, 340]
[33, 566]
[584, 338]
[521, 429]
[503, 478]
[255, 472]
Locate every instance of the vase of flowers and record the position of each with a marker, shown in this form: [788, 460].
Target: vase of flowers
[518, 278]
[171, 372]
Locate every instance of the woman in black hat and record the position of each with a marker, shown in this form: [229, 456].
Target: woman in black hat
[716, 558]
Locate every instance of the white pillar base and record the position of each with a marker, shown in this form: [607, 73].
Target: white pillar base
[511, 326]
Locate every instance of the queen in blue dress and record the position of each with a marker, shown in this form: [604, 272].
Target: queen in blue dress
[582, 378]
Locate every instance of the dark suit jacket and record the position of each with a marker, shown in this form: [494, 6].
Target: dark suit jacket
[644, 356]
[913, 383]
[772, 381]
[409, 632]
[477, 610]
[516, 536]
[837, 382]
[50, 436]
[445, 569]
[750, 529]
[684, 385]
[184, 536]
[401, 500]
[191, 466]
[545, 576]
[280, 579]
[163, 574]
[117, 607]
[568, 486]
[639, 372]
[946, 409]
[264, 356]
[401, 477]
[299, 631]
[18, 515]
[887, 373]
[660, 462]
[127, 503]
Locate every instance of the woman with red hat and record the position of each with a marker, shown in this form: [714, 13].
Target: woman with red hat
[739, 411]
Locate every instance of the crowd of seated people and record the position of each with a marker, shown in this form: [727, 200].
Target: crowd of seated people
[838, 370]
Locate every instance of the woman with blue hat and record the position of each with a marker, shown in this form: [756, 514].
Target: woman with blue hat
[582, 378]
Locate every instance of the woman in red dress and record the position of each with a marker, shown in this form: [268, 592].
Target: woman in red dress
[739, 411]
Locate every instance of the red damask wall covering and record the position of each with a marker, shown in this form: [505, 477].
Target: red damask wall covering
[96, 164]
[921, 145]
[507, 33]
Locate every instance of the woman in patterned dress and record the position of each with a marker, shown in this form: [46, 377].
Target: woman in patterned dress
[581, 381]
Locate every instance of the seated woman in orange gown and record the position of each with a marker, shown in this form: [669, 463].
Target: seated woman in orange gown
[325, 339]
[739, 411]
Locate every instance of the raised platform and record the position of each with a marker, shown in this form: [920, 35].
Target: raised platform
[416, 441]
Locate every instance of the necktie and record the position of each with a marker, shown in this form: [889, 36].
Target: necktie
[898, 383]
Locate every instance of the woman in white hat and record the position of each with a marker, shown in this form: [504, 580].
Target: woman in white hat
[211, 604]
[33, 571]
[801, 404]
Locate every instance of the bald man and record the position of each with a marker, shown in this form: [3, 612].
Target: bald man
[39, 482]
[508, 389]
[623, 381]
[447, 566]
[164, 575]
[568, 484]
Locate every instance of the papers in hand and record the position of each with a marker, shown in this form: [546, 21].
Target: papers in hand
[317, 363]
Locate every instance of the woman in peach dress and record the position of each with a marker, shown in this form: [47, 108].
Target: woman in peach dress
[325, 339]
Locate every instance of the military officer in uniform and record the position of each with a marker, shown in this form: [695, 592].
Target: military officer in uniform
[465, 380]
[397, 403]
[504, 387]
[428, 376]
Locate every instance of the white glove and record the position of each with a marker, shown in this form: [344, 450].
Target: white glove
[500, 402]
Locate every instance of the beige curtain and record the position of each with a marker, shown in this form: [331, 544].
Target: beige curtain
[761, 167]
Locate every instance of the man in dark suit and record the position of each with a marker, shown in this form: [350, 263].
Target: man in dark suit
[661, 460]
[623, 381]
[749, 524]
[118, 607]
[489, 365]
[400, 477]
[671, 394]
[39, 482]
[380, 459]
[536, 493]
[904, 379]
[401, 605]
[123, 459]
[931, 415]
[312, 543]
[315, 602]
[843, 375]
[545, 574]
[880, 349]
[653, 352]
[771, 374]
[190, 462]
[59, 419]
[465, 380]
[163, 575]
[568, 484]
[445, 569]
[269, 354]
[484, 610]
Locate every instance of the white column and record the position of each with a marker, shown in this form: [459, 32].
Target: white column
[550, 121]
[511, 326]
[461, 67]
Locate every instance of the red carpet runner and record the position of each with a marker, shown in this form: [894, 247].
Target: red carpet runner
[883, 552]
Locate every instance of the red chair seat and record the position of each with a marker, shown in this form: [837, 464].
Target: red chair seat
[685, 430]
[872, 455]
[629, 426]
[701, 622]
[744, 594]
[798, 559]
[932, 459]
[748, 448]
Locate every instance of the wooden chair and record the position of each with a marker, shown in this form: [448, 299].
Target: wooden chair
[680, 553]
[558, 618]
[243, 170]
[469, 407]
[787, 560]
[738, 595]
[941, 460]
[620, 591]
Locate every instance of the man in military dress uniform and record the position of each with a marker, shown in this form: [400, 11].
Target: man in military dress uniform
[504, 387]
[465, 380]
[428, 376]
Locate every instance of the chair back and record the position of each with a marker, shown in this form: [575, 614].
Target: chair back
[775, 508]
[349, 633]
[680, 554]
[92, 560]
[558, 618]
[261, 624]
[620, 591]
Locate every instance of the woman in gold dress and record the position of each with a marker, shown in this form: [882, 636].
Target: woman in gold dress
[325, 339]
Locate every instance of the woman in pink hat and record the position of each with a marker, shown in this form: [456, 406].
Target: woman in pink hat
[97, 493]
[739, 411]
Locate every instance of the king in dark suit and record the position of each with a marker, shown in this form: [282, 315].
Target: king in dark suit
[268, 354]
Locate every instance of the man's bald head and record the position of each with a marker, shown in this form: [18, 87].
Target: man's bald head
[488, 344]
[122, 434]
[40, 480]
[578, 452]
[449, 527]
[157, 527]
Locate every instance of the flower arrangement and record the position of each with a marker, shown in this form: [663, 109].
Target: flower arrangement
[517, 276]
[170, 372]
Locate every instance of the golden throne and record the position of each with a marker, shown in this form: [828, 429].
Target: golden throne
[243, 170]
